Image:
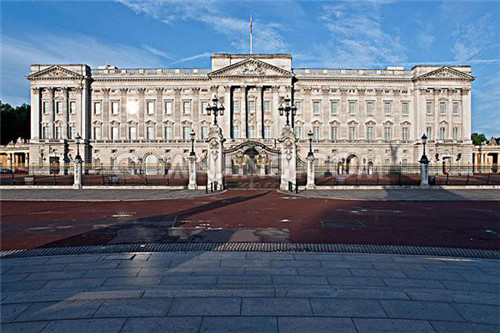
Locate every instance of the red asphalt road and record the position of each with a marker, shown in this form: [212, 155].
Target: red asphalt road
[464, 224]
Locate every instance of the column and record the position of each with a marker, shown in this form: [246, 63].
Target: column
[259, 114]
[276, 128]
[159, 113]
[105, 114]
[195, 111]
[307, 111]
[177, 113]
[466, 114]
[142, 111]
[227, 119]
[123, 113]
[86, 113]
[310, 172]
[435, 114]
[36, 111]
[66, 112]
[52, 114]
[244, 115]
[325, 113]
[192, 173]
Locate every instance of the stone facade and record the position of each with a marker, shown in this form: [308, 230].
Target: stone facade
[145, 115]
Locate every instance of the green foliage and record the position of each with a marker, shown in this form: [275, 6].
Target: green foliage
[477, 138]
[15, 122]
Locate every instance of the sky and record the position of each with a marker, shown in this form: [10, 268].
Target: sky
[183, 33]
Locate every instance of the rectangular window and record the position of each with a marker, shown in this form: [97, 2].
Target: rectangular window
[298, 105]
[369, 133]
[267, 107]
[45, 107]
[406, 133]
[236, 132]
[298, 132]
[251, 106]
[387, 108]
[404, 109]
[236, 106]
[59, 107]
[334, 133]
[59, 132]
[267, 132]
[114, 133]
[442, 108]
[352, 108]
[204, 132]
[204, 106]
[428, 133]
[97, 133]
[151, 107]
[115, 108]
[334, 108]
[316, 133]
[150, 133]
[316, 108]
[429, 107]
[186, 107]
[168, 107]
[251, 131]
[97, 108]
[352, 133]
[455, 133]
[72, 132]
[72, 107]
[388, 133]
[186, 131]
[45, 132]
[370, 107]
[168, 132]
[442, 133]
[455, 108]
[132, 133]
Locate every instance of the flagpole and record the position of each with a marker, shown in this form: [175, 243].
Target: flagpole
[250, 33]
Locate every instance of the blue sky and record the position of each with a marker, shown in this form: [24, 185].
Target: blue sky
[182, 33]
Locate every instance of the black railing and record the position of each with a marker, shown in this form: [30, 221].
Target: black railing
[214, 187]
[292, 187]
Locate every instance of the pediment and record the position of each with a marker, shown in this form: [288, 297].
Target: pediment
[251, 68]
[55, 72]
[446, 73]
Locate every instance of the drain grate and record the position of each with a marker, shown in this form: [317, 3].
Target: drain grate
[254, 247]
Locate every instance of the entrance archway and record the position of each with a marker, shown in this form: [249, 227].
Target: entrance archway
[352, 164]
[151, 165]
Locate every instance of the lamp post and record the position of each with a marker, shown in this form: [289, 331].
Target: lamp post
[192, 164]
[424, 165]
[364, 164]
[310, 136]
[77, 176]
[78, 138]
[287, 109]
[216, 108]
[310, 164]
[192, 134]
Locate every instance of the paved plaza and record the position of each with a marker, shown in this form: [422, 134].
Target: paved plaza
[249, 292]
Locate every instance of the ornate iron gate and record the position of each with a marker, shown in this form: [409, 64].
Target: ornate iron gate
[252, 164]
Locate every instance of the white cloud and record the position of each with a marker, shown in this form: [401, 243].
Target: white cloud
[358, 38]
[156, 52]
[197, 56]
[472, 38]
[266, 38]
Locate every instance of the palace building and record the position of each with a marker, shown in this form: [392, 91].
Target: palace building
[146, 115]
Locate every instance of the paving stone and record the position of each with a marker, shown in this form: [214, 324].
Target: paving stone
[55, 275]
[70, 259]
[119, 256]
[207, 306]
[12, 262]
[196, 263]
[161, 256]
[22, 286]
[315, 324]
[74, 284]
[223, 255]
[85, 326]
[167, 280]
[454, 327]
[11, 311]
[176, 271]
[106, 273]
[413, 283]
[318, 256]
[29, 327]
[476, 313]
[315, 271]
[368, 257]
[117, 294]
[455, 296]
[336, 281]
[245, 263]
[434, 275]
[295, 263]
[240, 280]
[392, 325]
[346, 293]
[13, 277]
[145, 264]
[134, 307]
[420, 310]
[398, 266]
[60, 310]
[169, 324]
[346, 264]
[91, 265]
[275, 307]
[137, 281]
[391, 273]
[36, 268]
[203, 271]
[209, 293]
[239, 324]
[271, 271]
[347, 308]
[303, 280]
[36, 296]
[470, 286]
[480, 277]
[269, 256]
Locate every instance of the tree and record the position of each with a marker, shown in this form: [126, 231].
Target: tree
[15, 122]
[478, 139]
